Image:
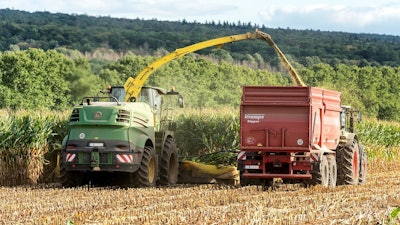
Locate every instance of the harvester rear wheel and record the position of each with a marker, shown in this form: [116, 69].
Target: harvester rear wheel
[146, 176]
[348, 158]
[169, 164]
[322, 176]
[68, 178]
[363, 166]
[332, 170]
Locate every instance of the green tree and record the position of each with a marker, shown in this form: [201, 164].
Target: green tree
[81, 81]
[33, 79]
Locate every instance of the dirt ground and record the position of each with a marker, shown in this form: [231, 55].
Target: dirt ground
[371, 203]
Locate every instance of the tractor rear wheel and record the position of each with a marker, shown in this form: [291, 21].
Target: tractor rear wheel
[169, 164]
[348, 158]
[321, 177]
[146, 176]
[363, 166]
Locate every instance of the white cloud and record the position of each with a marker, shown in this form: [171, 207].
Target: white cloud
[340, 16]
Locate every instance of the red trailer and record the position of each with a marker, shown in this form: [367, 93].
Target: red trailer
[297, 134]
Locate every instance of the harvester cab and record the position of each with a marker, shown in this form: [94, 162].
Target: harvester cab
[161, 107]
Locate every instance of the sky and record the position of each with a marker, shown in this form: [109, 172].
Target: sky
[354, 16]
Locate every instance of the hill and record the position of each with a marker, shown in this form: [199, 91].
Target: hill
[87, 33]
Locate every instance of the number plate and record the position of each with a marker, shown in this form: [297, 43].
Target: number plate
[96, 144]
[252, 167]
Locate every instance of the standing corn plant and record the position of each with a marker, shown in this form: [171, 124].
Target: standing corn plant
[23, 144]
[382, 143]
[209, 136]
[381, 137]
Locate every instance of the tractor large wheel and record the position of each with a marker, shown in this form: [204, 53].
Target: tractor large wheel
[68, 178]
[321, 177]
[348, 159]
[363, 166]
[169, 164]
[146, 176]
[332, 170]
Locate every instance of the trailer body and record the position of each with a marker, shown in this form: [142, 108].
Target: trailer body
[284, 131]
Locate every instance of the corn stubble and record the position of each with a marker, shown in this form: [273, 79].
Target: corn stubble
[205, 204]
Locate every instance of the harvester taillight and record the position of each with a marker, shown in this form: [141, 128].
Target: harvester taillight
[122, 148]
[71, 147]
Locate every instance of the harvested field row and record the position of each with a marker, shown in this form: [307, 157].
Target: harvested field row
[206, 204]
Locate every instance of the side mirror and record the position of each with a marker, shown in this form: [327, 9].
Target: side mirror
[359, 117]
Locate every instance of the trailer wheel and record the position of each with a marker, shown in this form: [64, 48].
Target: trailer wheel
[267, 183]
[240, 167]
[169, 163]
[348, 158]
[146, 176]
[332, 170]
[321, 177]
[363, 166]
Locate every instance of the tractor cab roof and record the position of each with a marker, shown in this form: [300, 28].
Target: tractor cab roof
[160, 91]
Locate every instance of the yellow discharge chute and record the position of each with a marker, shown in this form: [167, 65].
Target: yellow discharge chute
[133, 85]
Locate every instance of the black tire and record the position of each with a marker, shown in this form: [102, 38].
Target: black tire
[322, 176]
[247, 181]
[348, 160]
[332, 170]
[68, 178]
[146, 176]
[363, 166]
[243, 181]
[267, 183]
[169, 164]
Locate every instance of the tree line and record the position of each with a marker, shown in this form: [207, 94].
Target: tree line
[44, 30]
[57, 79]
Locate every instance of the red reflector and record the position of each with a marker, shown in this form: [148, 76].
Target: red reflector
[73, 165]
[125, 158]
[117, 166]
[70, 157]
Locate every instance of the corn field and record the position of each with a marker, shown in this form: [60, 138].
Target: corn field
[382, 140]
[25, 139]
[28, 194]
